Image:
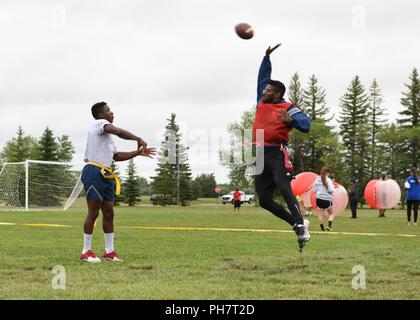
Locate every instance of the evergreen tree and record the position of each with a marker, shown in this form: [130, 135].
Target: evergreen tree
[20, 148]
[131, 185]
[184, 176]
[54, 176]
[172, 182]
[411, 115]
[375, 123]
[295, 91]
[314, 100]
[65, 149]
[48, 146]
[297, 140]
[411, 102]
[353, 129]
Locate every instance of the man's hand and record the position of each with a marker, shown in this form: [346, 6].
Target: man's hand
[284, 116]
[141, 144]
[270, 50]
[147, 152]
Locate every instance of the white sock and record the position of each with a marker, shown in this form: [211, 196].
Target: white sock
[109, 242]
[87, 243]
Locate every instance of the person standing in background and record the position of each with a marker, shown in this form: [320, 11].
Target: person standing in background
[236, 200]
[353, 191]
[384, 177]
[412, 184]
[324, 189]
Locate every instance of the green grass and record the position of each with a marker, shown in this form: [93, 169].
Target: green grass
[171, 264]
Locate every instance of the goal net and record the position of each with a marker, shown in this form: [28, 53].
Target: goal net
[38, 185]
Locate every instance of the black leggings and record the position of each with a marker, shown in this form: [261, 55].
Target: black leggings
[415, 205]
[275, 177]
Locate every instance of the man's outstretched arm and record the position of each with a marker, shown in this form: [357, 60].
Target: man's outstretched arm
[145, 152]
[264, 74]
[124, 134]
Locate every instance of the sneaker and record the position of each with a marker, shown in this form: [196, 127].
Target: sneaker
[329, 229]
[308, 213]
[112, 256]
[301, 238]
[408, 223]
[90, 257]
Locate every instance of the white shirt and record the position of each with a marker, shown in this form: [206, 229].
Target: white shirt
[321, 192]
[100, 147]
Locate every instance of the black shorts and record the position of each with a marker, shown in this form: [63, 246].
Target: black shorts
[237, 204]
[323, 204]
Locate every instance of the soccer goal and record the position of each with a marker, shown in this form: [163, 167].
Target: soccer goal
[38, 185]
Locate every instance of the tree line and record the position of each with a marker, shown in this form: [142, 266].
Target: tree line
[60, 149]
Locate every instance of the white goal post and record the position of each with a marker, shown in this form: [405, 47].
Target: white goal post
[35, 184]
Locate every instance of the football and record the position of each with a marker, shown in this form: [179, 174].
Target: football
[244, 31]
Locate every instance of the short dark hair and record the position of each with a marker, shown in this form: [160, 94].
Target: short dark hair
[278, 86]
[97, 108]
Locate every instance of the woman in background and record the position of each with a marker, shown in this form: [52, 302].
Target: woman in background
[324, 189]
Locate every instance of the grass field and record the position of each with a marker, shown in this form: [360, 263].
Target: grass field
[206, 263]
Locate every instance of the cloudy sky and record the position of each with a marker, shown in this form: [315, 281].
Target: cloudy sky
[148, 59]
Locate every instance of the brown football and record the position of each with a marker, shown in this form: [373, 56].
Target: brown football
[244, 31]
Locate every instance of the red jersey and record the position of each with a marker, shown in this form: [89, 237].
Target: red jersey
[266, 118]
[237, 196]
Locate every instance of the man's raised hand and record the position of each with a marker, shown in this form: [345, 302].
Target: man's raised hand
[270, 50]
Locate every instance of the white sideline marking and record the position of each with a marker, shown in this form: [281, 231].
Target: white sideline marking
[224, 229]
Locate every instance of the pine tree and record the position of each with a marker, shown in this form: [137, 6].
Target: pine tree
[314, 100]
[65, 149]
[411, 115]
[184, 176]
[375, 123]
[297, 140]
[49, 194]
[48, 146]
[172, 182]
[295, 91]
[411, 102]
[20, 148]
[131, 185]
[353, 130]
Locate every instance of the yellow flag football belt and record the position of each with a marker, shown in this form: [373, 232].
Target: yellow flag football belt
[110, 175]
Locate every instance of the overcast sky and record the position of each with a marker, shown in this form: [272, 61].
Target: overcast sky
[150, 58]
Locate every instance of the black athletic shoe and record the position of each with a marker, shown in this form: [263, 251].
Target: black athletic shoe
[301, 237]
